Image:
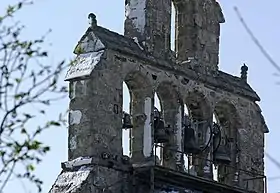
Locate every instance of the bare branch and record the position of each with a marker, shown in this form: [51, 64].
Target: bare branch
[25, 81]
[255, 40]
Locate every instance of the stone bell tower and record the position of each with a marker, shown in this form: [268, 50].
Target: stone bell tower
[191, 90]
[150, 22]
[197, 33]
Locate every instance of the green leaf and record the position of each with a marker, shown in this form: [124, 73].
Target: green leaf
[19, 5]
[23, 131]
[18, 149]
[54, 123]
[28, 116]
[46, 149]
[46, 102]
[53, 82]
[20, 95]
[10, 10]
[2, 153]
[35, 145]
[18, 80]
[30, 167]
[30, 53]
[9, 144]
[44, 54]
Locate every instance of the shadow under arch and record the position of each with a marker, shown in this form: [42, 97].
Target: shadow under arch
[172, 108]
[138, 82]
[169, 95]
[229, 121]
[226, 111]
[140, 90]
[199, 106]
[201, 115]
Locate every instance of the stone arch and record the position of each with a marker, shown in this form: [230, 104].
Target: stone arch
[172, 108]
[199, 106]
[140, 89]
[169, 94]
[137, 82]
[230, 122]
[228, 116]
[227, 111]
[200, 113]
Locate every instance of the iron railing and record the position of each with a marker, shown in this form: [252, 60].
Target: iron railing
[231, 175]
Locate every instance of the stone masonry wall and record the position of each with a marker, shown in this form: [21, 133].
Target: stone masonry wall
[249, 127]
[198, 32]
[96, 112]
[149, 21]
[105, 60]
[95, 116]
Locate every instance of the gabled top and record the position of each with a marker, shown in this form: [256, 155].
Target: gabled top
[89, 43]
[94, 42]
[89, 52]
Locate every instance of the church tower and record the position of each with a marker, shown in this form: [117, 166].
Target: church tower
[208, 135]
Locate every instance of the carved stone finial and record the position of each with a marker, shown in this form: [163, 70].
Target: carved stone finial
[92, 20]
[244, 72]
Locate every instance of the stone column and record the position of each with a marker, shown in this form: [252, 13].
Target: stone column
[141, 134]
[150, 22]
[95, 129]
[94, 117]
[172, 156]
[198, 32]
[205, 158]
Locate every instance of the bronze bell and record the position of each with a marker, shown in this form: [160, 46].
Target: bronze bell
[161, 133]
[190, 144]
[221, 155]
[127, 123]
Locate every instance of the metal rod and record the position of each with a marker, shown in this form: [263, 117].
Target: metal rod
[211, 161]
[265, 184]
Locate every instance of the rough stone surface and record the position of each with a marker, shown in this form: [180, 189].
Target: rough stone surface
[143, 60]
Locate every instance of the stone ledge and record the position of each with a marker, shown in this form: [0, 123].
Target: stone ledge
[116, 163]
[126, 46]
[185, 181]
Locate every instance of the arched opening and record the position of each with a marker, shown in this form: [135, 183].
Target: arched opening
[126, 128]
[172, 111]
[140, 89]
[173, 23]
[158, 146]
[200, 115]
[186, 157]
[226, 155]
[215, 167]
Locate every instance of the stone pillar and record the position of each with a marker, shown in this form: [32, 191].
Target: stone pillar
[95, 130]
[150, 22]
[95, 162]
[141, 134]
[172, 156]
[94, 117]
[251, 157]
[204, 168]
[198, 32]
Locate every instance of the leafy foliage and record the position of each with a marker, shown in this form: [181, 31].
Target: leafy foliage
[25, 82]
